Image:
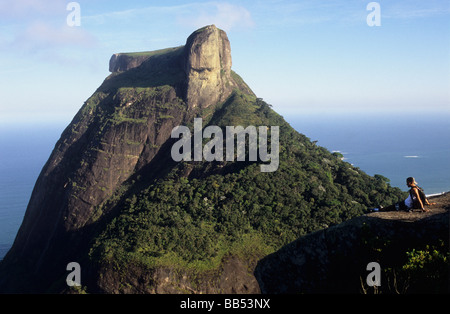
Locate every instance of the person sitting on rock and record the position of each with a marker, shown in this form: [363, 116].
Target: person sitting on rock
[414, 200]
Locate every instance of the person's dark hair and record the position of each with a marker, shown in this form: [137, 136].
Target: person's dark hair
[410, 180]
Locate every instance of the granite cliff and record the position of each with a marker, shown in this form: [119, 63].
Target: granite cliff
[208, 67]
[206, 62]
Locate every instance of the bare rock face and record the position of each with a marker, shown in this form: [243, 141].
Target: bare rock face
[234, 276]
[121, 62]
[208, 67]
[114, 135]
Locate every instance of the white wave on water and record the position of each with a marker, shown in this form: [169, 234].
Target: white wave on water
[411, 156]
[436, 194]
[342, 153]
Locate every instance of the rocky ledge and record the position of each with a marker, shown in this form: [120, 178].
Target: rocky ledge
[334, 260]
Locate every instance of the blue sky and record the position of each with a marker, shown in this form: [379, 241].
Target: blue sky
[300, 56]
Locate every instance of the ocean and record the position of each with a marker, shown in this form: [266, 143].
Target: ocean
[396, 147]
[24, 149]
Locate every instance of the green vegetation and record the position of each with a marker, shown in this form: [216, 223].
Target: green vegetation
[130, 104]
[409, 268]
[200, 212]
[426, 269]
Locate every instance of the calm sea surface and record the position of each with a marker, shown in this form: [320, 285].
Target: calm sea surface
[23, 152]
[394, 146]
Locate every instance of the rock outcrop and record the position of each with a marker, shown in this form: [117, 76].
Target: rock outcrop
[234, 276]
[121, 62]
[208, 67]
[334, 260]
[206, 62]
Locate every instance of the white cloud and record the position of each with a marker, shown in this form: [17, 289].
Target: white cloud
[414, 13]
[224, 15]
[18, 9]
[38, 29]
[194, 15]
[44, 35]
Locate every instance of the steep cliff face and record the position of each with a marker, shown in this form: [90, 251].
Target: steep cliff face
[233, 276]
[208, 67]
[121, 62]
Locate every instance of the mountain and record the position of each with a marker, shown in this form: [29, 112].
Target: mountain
[112, 198]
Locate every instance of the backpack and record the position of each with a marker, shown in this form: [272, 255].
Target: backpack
[422, 196]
